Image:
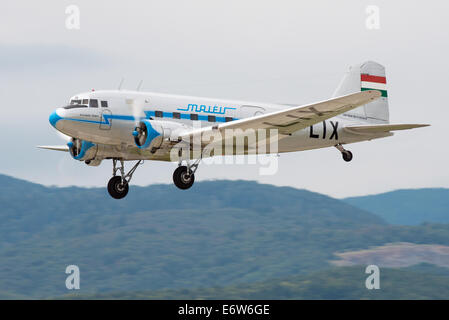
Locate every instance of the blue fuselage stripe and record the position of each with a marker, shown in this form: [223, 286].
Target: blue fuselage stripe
[149, 114]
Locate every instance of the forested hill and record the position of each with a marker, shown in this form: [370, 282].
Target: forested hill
[347, 283]
[27, 208]
[219, 233]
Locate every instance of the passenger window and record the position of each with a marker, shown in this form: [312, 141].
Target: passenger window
[211, 118]
[193, 116]
[85, 101]
[93, 103]
[227, 119]
[158, 114]
[104, 104]
[176, 115]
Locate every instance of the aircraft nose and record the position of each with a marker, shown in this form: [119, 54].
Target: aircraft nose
[55, 117]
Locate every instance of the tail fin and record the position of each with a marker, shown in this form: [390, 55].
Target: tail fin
[366, 76]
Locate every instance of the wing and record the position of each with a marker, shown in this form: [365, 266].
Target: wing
[293, 119]
[381, 128]
[57, 148]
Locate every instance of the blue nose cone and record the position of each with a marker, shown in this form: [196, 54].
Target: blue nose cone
[54, 118]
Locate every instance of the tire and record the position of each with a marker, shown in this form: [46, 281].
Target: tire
[347, 155]
[181, 180]
[116, 189]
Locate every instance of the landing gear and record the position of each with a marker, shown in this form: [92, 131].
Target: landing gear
[118, 186]
[346, 154]
[183, 177]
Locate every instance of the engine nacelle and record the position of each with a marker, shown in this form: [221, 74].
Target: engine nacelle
[82, 150]
[150, 134]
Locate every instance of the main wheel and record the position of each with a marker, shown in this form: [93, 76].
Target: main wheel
[183, 179]
[347, 155]
[116, 188]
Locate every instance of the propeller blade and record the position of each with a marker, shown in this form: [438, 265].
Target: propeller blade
[137, 107]
[63, 136]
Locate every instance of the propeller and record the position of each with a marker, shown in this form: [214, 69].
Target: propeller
[75, 146]
[139, 133]
[137, 106]
[64, 136]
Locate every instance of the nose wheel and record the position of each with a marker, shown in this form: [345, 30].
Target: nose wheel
[346, 154]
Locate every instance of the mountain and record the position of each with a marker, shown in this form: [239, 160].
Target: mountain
[28, 208]
[407, 207]
[219, 233]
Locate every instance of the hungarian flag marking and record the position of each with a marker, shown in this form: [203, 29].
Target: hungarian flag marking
[369, 82]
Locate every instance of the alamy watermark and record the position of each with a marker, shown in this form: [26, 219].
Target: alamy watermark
[373, 280]
[372, 21]
[72, 21]
[72, 282]
[231, 146]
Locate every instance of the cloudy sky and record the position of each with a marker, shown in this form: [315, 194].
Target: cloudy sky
[270, 51]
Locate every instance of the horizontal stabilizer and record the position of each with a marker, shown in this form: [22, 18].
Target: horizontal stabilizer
[56, 148]
[381, 128]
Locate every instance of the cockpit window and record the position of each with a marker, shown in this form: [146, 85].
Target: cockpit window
[104, 104]
[75, 101]
[85, 101]
[93, 103]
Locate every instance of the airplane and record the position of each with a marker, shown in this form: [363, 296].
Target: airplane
[124, 125]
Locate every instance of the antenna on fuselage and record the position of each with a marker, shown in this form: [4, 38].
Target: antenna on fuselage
[140, 84]
[120, 85]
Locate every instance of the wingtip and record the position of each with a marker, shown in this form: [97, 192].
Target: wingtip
[420, 125]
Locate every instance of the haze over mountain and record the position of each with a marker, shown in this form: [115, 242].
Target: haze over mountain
[407, 207]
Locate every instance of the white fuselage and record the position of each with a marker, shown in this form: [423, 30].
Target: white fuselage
[108, 118]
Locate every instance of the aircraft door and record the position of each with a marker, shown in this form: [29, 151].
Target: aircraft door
[106, 121]
[250, 111]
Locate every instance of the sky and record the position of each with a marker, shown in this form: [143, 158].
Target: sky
[270, 51]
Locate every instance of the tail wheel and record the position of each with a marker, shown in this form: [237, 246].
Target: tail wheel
[347, 155]
[116, 188]
[183, 179]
